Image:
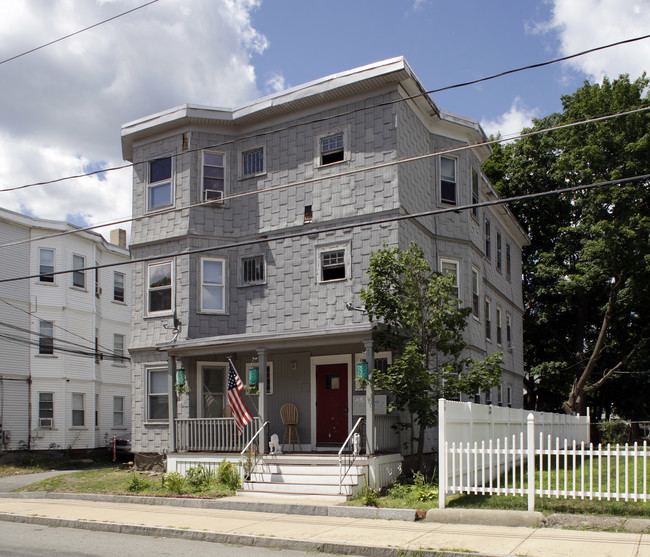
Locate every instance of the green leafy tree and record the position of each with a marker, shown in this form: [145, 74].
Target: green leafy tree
[587, 269]
[422, 324]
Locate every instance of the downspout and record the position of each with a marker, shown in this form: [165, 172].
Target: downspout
[29, 411]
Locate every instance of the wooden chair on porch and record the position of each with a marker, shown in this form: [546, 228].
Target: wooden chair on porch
[289, 415]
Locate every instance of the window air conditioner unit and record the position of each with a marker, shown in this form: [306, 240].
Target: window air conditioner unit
[213, 195]
[45, 422]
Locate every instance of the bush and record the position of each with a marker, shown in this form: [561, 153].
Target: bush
[199, 478]
[138, 484]
[228, 475]
[613, 432]
[174, 482]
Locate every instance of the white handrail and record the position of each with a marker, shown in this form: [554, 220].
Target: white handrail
[241, 469]
[345, 444]
[254, 437]
[352, 432]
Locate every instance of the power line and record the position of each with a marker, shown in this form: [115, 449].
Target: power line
[338, 115]
[77, 32]
[309, 181]
[338, 228]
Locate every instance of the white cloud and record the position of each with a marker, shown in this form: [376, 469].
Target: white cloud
[63, 105]
[584, 24]
[275, 83]
[512, 122]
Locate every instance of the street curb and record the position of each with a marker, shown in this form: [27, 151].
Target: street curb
[233, 539]
[528, 519]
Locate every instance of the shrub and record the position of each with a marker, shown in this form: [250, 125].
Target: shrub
[199, 478]
[228, 475]
[138, 484]
[174, 482]
[613, 432]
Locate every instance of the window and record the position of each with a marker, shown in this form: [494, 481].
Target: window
[118, 286]
[332, 265]
[78, 410]
[477, 398]
[509, 396]
[269, 376]
[213, 176]
[46, 337]
[508, 330]
[157, 397]
[253, 270]
[488, 240]
[45, 409]
[253, 162]
[498, 319]
[475, 193]
[98, 355]
[159, 187]
[448, 180]
[508, 261]
[332, 149]
[46, 265]
[499, 258]
[500, 395]
[98, 290]
[78, 277]
[159, 287]
[383, 360]
[488, 396]
[96, 410]
[475, 292]
[212, 285]
[118, 348]
[449, 267]
[488, 323]
[118, 411]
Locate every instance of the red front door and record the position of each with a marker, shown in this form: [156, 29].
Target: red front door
[331, 403]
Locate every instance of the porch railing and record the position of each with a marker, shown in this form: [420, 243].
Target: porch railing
[349, 452]
[213, 434]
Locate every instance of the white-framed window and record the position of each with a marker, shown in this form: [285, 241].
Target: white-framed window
[253, 270]
[382, 361]
[488, 396]
[499, 251]
[118, 287]
[46, 410]
[499, 326]
[46, 337]
[509, 396]
[98, 355]
[475, 293]
[118, 349]
[475, 193]
[450, 267]
[78, 276]
[268, 379]
[333, 264]
[477, 398]
[253, 162]
[160, 291]
[160, 185]
[157, 396]
[78, 409]
[488, 239]
[332, 147]
[508, 329]
[46, 265]
[213, 285]
[488, 322]
[508, 261]
[96, 410]
[118, 411]
[213, 176]
[500, 395]
[448, 180]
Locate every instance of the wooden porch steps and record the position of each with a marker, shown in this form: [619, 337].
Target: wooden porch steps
[313, 476]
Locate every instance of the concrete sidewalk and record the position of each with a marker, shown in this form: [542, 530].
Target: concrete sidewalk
[331, 534]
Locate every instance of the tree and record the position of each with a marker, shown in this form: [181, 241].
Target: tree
[422, 325]
[587, 269]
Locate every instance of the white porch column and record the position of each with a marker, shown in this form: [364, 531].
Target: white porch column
[171, 401]
[261, 355]
[370, 398]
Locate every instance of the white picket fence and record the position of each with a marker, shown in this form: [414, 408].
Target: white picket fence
[491, 450]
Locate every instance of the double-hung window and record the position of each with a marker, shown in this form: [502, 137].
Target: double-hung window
[214, 172]
[499, 251]
[488, 240]
[332, 265]
[46, 265]
[159, 287]
[508, 261]
[508, 329]
[475, 193]
[118, 411]
[78, 410]
[448, 180]
[449, 267]
[253, 162]
[159, 187]
[46, 337]
[253, 270]
[213, 287]
[332, 149]
[78, 276]
[499, 327]
[157, 396]
[488, 322]
[475, 292]
[118, 286]
[45, 409]
[118, 348]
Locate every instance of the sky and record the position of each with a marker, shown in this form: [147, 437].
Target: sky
[62, 107]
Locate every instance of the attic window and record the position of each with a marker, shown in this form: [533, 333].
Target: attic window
[332, 149]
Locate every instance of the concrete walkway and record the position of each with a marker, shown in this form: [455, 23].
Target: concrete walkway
[10, 483]
[332, 534]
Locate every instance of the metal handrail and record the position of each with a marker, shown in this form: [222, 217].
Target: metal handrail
[241, 469]
[342, 475]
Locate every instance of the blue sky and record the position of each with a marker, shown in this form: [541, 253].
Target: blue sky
[63, 105]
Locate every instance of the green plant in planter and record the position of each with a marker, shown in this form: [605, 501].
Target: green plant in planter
[182, 389]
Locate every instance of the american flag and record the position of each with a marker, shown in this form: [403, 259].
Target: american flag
[239, 410]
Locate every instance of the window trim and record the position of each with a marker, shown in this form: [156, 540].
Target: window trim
[75, 396]
[115, 298]
[269, 376]
[318, 146]
[169, 311]
[119, 412]
[456, 264]
[509, 330]
[488, 320]
[242, 156]
[161, 394]
[499, 250]
[76, 273]
[476, 293]
[455, 182]
[499, 326]
[202, 189]
[118, 353]
[48, 410]
[223, 286]
[322, 250]
[150, 184]
[51, 278]
[242, 264]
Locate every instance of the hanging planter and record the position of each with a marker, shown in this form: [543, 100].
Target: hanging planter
[181, 386]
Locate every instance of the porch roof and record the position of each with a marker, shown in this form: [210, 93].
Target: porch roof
[283, 339]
